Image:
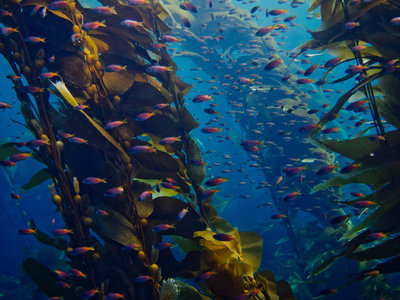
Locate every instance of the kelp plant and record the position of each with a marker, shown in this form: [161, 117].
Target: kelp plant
[120, 179]
[372, 43]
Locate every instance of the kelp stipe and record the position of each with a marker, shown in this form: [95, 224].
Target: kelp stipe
[110, 72]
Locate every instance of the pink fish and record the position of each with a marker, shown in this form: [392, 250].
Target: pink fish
[4, 105]
[197, 162]
[395, 21]
[170, 38]
[188, 6]
[131, 23]
[141, 149]
[8, 30]
[169, 140]
[114, 124]
[355, 69]
[77, 273]
[94, 25]
[93, 180]
[201, 98]
[278, 216]
[26, 231]
[332, 62]
[81, 250]
[182, 214]
[204, 276]
[273, 64]
[101, 212]
[291, 196]
[142, 279]
[159, 69]
[351, 25]
[144, 116]
[81, 107]
[62, 231]
[61, 274]
[223, 237]
[34, 39]
[206, 194]
[105, 10]
[327, 169]
[161, 106]
[20, 156]
[163, 245]
[37, 143]
[115, 191]
[77, 140]
[211, 130]
[145, 195]
[162, 227]
[304, 80]
[114, 68]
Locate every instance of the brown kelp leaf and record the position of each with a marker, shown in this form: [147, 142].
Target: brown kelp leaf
[117, 83]
[74, 70]
[115, 227]
[39, 177]
[195, 173]
[187, 245]
[252, 248]
[266, 278]
[8, 149]
[67, 96]
[188, 122]
[44, 278]
[57, 242]
[284, 290]
[145, 208]
[221, 225]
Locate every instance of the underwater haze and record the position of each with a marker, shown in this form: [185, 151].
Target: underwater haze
[200, 149]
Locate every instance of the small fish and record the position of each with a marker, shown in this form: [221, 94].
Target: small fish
[265, 30]
[363, 204]
[356, 104]
[197, 162]
[395, 21]
[77, 140]
[48, 75]
[332, 62]
[4, 105]
[291, 196]
[273, 64]
[81, 107]
[339, 219]
[245, 80]
[326, 170]
[114, 124]
[254, 9]
[35, 39]
[163, 245]
[62, 231]
[186, 22]
[170, 38]
[142, 278]
[376, 137]
[223, 237]
[161, 106]
[204, 276]
[327, 292]
[113, 296]
[313, 111]
[211, 111]
[63, 284]
[157, 46]
[289, 19]
[169, 140]
[278, 12]
[26, 231]
[33, 89]
[357, 194]
[310, 70]
[90, 293]
[59, 4]
[280, 178]
[293, 170]
[145, 195]
[304, 80]
[144, 116]
[81, 250]
[215, 181]
[201, 98]
[188, 6]
[374, 236]
[351, 25]
[105, 10]
[358, 48]
[130, 247]
[278, 216]
[7, 163]
[355, 69]
[138, 2]
[115, 191]
[61, 274]
[308, 128]
[206, 194]
[131, 23]
[15, 196]
[162, 227]
[101, 212]
[20, 156]
[93, 180]
[114, 68]
[77, 273]
[182, 214]
[330, 130]
[141, 149]
[94, 25]
[5, 13]
[159, 69]
[211, 130]
[8, 30]
[349, 168]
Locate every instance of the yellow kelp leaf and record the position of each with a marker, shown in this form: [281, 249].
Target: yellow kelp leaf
[60, 14]
[221, 225]
[252, 247]
[154, 141]
[313, 5]
[163, 191]
[223, 251]
[62, 89]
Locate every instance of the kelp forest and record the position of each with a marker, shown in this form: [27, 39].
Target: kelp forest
[114, 129]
